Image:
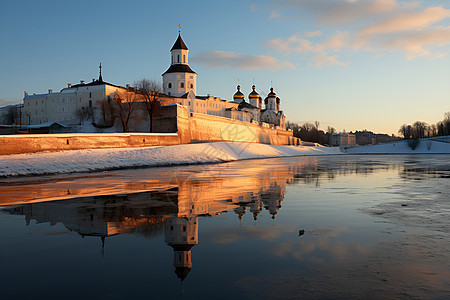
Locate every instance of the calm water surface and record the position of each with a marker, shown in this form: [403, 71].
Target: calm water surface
[292, 228]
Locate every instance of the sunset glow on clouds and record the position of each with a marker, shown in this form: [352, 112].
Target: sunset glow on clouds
[378, 26]
[409, 28]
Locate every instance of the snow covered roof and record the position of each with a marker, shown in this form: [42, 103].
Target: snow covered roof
[46, 125]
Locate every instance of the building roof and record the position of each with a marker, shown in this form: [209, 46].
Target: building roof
[179, 68]
[179, 44]
[244, 104]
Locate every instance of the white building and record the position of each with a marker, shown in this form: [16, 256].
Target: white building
[342, 139]
[67, 105]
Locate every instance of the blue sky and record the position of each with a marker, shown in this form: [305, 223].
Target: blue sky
[350, 64]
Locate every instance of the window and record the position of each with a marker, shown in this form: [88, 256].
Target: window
[184, 59]
[169, 93]
[172, 58]
[90, 103]
[182, 85]
[178, 58]
[90, 95]
[192, 77]
[169, 85]
[192, 86]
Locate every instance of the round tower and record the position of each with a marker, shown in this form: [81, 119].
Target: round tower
[272, 102]
[179, 78]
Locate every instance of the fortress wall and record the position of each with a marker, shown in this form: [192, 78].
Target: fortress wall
[16, 144]
[174, 126]
[201, 127]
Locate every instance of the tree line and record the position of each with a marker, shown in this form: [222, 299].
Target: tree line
[310, 132]
[419, 130]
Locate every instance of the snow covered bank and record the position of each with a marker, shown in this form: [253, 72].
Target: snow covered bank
[425, 146]
[108, 159]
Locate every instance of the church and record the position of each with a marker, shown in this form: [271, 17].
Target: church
[179, 83]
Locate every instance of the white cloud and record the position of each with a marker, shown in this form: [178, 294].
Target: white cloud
[312, 34]
[274, 14]
[404, 21]
[408, 27]
[224, 59]
[339, 11]
[322, 59]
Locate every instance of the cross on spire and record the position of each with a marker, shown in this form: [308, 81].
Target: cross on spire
[179, 28]
[100, 79]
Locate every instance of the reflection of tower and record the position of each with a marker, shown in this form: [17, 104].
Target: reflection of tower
[240, 211]
[273, 197]
[182, 234]
[255, 208]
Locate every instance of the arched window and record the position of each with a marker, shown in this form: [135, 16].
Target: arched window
[182, 84]
[192, 86]
[184, 59]
[169, 85]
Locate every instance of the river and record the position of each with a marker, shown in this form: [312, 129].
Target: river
[288, 228]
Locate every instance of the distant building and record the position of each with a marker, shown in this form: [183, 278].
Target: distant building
[342, 139]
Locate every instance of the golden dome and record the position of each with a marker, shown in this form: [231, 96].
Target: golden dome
[271, 94]
[253, 94]
[238, 95]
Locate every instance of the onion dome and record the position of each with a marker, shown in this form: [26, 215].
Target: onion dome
[238, 95]
[271, 94]
[253, 94]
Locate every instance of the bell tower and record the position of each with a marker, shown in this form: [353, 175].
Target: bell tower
[179, 79]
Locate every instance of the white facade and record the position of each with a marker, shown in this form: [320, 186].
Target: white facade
[342, 139]
[63, 106]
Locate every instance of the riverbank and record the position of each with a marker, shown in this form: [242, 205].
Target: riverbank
[95, 160]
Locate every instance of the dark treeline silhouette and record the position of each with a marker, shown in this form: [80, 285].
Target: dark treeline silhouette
[309, 132]
[419, 130]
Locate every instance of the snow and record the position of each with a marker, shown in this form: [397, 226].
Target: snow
[94, 160]
[425, 146]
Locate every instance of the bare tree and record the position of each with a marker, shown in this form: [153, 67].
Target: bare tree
[406, 131]
[122, 107]
[150, 91]
[419, 129]
[84, 113]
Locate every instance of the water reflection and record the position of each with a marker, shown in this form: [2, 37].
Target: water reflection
[174, 204]
[173, 212]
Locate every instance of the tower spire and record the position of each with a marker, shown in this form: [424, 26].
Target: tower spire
[100, 79]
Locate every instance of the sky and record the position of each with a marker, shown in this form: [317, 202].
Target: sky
[349, 64]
